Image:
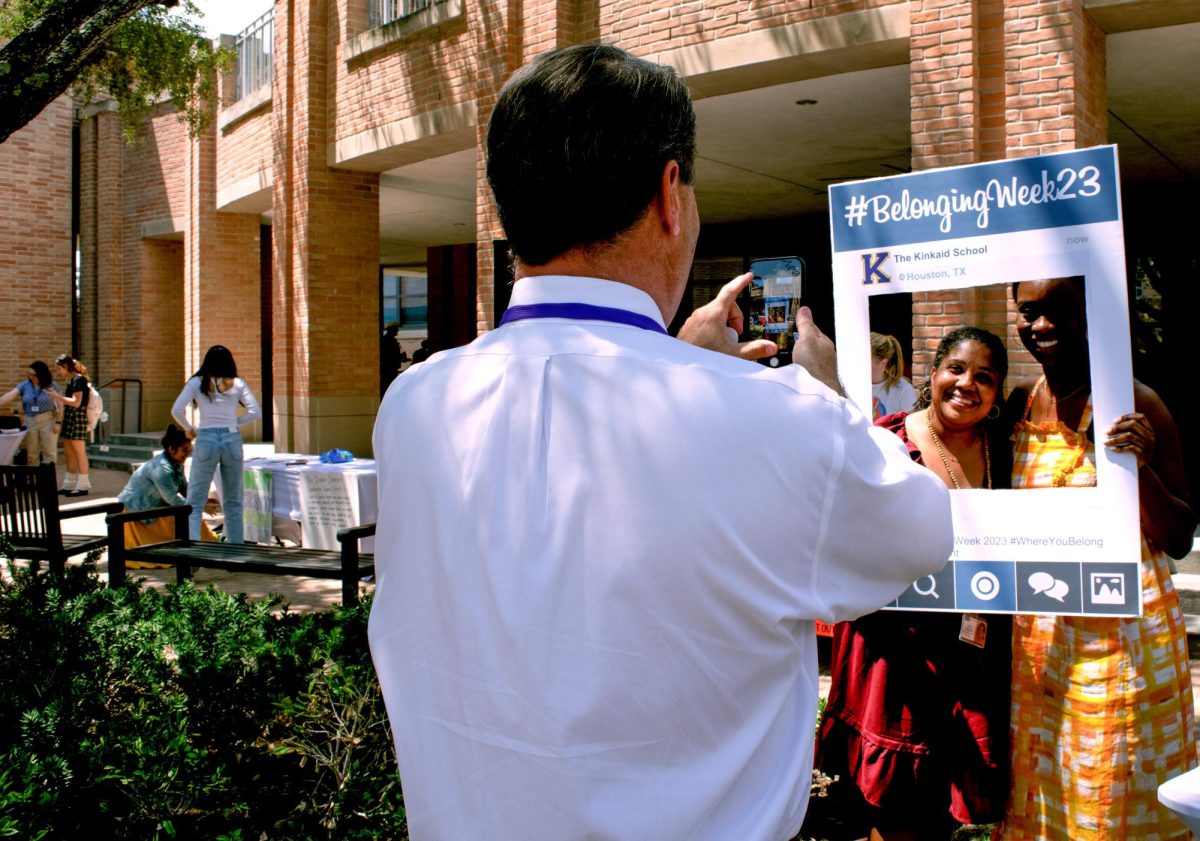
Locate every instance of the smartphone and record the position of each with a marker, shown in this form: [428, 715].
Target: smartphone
[775, 294]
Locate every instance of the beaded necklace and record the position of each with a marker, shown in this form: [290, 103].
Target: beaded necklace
[937, 442]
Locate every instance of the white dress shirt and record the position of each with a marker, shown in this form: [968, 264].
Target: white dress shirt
[599, 556]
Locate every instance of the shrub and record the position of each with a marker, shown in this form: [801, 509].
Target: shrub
[132, 713]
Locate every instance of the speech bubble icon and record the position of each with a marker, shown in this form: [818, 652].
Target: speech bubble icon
[1044, 582]
[1059, 590]
[1041, 582]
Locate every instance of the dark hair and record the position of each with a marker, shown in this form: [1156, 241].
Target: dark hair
[1076, 280]
[955, 337]
[173, 437]
[218, 362]
[42, 371]
[577, 144]
[71, 364]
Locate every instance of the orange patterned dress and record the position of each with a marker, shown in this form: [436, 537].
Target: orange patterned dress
[1101, 708]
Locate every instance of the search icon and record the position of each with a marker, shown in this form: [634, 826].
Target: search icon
[931, 590]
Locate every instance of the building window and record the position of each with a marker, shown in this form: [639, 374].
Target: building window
[380, 12]
[405, 299]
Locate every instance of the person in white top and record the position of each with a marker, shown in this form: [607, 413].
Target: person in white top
[601, 550]
[890, 391]
[224, 403]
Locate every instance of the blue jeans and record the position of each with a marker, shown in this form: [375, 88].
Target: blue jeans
[213, 447]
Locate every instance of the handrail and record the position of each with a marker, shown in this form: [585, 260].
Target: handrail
[255, 47]
[121, 416]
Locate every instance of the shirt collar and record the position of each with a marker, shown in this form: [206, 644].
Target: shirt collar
[563, 289]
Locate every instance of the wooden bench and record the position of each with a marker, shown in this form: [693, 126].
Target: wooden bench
[32, 521]
[183, 553]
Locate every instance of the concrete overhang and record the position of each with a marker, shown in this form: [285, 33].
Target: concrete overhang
[251, 194]
[408, 140]
[838, 44]
[1129, 15]
[164, 228]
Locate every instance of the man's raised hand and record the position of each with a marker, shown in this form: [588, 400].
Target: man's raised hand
[716, 325]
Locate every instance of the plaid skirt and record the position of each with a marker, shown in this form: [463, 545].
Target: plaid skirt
[74, 426]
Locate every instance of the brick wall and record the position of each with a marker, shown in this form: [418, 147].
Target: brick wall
[325, 251]
[130, 302]
[244, 148]
[35, 229]
[493, 70]
[428, 70]
[1055, 75]
[643, 27]
[996, 79]
[221, 281]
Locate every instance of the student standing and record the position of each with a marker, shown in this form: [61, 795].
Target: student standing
[43, 418]
[76, 481]
[217, 392]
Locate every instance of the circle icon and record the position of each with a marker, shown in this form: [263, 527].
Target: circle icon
[985, 586]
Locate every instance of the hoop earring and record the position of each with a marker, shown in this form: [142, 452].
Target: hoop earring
[925, 394]
[993, 413]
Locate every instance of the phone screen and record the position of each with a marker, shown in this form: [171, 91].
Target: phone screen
[775, 294]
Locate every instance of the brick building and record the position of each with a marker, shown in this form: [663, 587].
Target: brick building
[341, 187]
[35, 243]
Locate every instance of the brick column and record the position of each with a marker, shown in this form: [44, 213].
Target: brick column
[221, 275]
[1055, 77]
[101, 238]
[35, 229]
[326, 255]
[993, 79]
[539, 26]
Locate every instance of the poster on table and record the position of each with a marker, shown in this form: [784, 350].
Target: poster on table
[1047, 550]
[328, 503]
[257, 501]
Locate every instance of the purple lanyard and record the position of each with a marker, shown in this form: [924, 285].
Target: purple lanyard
[585, 312]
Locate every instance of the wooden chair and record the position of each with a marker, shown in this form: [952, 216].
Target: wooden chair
[32, 521]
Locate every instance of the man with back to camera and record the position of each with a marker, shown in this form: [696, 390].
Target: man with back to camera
[600, 549]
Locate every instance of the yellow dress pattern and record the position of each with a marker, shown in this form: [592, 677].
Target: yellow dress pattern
[1101, 708]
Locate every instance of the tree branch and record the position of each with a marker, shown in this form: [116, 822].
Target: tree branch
[46, 57]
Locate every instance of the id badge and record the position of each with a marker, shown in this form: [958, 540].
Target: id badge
[973, 630]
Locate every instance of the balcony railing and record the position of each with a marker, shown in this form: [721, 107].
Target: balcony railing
[255, 46]
[380, 12]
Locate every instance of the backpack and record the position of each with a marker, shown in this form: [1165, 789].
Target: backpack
[95, 408]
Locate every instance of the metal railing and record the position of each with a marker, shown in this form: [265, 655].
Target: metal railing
[255, 47]
[380, 12]
[123, 407]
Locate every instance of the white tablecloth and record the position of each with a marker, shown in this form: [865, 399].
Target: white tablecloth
[286, 470]
[10, 442]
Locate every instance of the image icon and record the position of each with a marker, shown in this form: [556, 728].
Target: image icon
[1108, 588]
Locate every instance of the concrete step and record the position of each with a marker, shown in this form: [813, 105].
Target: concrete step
[135, 439]
[102, 461]
[125, 452]
[111, 451]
